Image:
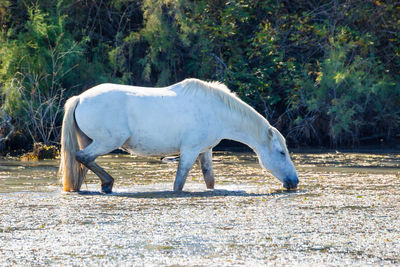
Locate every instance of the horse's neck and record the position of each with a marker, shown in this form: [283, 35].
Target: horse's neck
[244, 129]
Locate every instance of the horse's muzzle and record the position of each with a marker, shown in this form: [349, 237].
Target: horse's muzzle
[291, 183]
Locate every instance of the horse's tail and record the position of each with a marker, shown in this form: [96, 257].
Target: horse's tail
[71, 171]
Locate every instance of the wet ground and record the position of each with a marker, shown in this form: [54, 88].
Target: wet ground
[345, 212]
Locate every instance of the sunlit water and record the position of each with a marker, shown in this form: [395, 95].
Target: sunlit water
[345, 212]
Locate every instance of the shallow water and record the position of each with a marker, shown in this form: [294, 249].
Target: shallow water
[345, 212]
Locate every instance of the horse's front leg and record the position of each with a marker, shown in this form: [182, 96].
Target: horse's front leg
[207, 169]
[186, 162]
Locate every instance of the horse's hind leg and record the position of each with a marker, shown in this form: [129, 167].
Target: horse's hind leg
[87, 156]
[107, 181]
[206, 168]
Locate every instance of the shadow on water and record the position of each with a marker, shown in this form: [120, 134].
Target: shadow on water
[187, 194]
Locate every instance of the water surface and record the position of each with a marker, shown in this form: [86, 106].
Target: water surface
[346, 211]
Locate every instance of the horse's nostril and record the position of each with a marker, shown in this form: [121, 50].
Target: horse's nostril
[291, 184]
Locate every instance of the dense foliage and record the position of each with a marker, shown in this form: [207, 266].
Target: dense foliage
[323, 72]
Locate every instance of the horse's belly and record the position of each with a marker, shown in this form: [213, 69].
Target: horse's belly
[148, 146]
[158, 127]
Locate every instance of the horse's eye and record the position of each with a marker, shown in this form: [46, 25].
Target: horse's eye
[282, 153]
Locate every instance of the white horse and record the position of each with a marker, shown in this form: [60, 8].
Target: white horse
[190, 117]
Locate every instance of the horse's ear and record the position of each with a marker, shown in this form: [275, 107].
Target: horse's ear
[270, 133]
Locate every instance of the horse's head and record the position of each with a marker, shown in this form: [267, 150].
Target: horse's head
[274, 156]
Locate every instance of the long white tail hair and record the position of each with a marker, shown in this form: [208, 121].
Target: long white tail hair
[71, 172]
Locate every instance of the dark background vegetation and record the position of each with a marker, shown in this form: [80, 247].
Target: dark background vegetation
[325, 73]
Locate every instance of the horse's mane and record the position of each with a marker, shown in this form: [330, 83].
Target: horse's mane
[234, 103]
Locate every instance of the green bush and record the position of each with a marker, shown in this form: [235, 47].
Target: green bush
[37, 64]
[323, 73]
[351, 96]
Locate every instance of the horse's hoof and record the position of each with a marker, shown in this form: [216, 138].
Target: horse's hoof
[106, 189]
